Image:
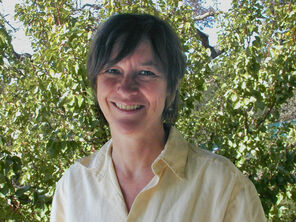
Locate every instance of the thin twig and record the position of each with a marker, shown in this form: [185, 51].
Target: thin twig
[206, 15]
[266, 114]
[97, 7]
[8, 23]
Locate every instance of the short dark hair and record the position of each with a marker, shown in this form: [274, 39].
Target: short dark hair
[131, 28]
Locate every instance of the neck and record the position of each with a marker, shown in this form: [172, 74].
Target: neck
[134, 154]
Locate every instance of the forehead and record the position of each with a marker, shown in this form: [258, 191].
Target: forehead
[143, 52]
[125, 48]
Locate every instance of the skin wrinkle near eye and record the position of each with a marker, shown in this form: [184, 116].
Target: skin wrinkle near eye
[148, 66]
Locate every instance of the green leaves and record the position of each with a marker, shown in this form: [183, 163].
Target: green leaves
[48, 117]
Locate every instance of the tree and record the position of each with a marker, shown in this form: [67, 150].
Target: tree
[230, 96]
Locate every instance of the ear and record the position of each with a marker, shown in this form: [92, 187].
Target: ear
[171, 96]
[170, 99]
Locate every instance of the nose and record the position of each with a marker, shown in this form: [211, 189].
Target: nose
[127, 86]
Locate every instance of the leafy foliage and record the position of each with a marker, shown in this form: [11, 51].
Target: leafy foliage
[48, 118]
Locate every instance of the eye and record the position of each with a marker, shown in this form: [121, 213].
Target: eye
[146, 73]
[112, 71]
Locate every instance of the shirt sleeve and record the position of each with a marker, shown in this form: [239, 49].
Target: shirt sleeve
[57, 210]
[244, 204]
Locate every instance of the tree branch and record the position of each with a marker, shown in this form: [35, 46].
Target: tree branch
[14, 29]
[8, 23]
[266, 114]
[94, 6]
[21, 56]
[215, 51]
[210, 13]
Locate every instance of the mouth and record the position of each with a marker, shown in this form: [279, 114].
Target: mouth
[128, 107]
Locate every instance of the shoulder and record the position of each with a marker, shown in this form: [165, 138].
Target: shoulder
[221, 176]
[214, 168]
[93, 164]
[206, 158]
[95, 160]
[194, 161]
[219, 172]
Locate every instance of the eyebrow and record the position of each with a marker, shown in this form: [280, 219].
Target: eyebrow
[154, 64]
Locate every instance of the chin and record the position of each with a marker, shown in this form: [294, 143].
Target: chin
[127, 127]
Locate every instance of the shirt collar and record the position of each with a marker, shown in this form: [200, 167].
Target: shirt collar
[174, 155]
[98, 162]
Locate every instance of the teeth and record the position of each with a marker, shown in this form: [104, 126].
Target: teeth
[126, 107]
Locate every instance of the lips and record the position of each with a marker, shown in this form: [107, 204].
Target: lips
[128, 107]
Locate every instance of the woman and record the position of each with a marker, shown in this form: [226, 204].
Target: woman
[147, 171]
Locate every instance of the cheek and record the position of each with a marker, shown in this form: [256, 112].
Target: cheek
[101, 91]
[159, 95]
[103, 82]
[104, 85]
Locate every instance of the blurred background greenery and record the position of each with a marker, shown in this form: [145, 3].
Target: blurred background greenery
[237, 98]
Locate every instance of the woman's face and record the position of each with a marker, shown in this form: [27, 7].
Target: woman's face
[132, 92]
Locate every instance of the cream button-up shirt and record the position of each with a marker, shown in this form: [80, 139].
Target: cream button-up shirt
[190, 184]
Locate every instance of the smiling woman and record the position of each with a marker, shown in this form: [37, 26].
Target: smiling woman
[124, 35]
[147, 171]
[132, 92]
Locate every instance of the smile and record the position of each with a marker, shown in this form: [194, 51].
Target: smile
[128, 107]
